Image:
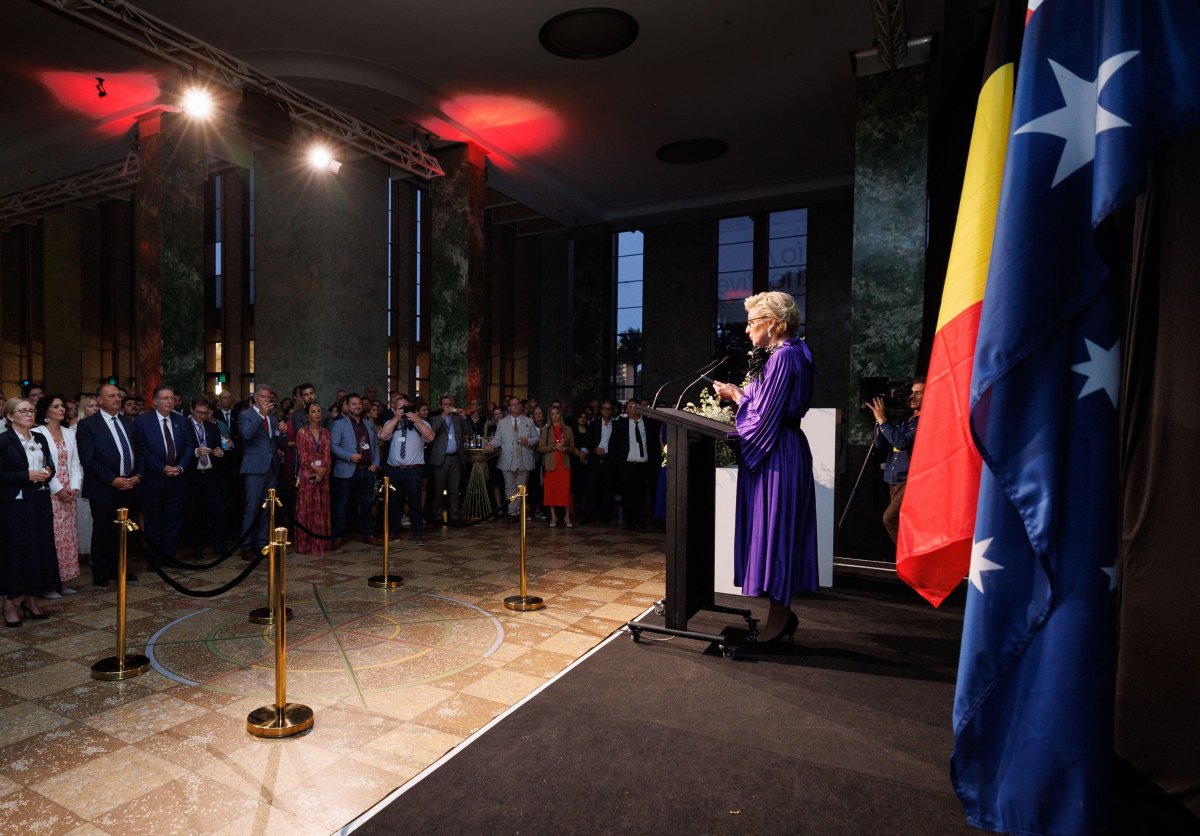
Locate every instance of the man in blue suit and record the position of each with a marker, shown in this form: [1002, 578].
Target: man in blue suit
[112, 475]
[259, 432]
[167, 447]
[355, 463]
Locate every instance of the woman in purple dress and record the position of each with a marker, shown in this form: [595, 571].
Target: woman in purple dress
[775, 539]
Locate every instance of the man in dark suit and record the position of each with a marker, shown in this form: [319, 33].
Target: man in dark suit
[204, 503]
[112, 470]
[602, 469]
[636, 449]
[444, 457]
[167, 448]
[258, 430]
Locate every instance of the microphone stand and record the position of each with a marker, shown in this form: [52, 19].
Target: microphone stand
[704, 375]
[708, 368]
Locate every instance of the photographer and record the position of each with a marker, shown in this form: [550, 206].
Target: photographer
[896, 436]
[409, 432]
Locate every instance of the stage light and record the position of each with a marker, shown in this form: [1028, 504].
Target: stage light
[197, 103]
[321, 158]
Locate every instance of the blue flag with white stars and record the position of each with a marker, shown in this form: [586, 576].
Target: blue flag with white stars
[1101, 84]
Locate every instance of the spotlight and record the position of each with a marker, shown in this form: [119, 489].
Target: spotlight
[197, 103]
[321, 158]
[100, 91]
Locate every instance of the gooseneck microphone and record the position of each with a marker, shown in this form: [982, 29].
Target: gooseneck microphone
[712, 364]
[704, 375]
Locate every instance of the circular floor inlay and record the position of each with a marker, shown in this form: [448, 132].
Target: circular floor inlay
[340, 643]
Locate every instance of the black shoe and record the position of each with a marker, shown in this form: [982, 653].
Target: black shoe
[100, 584]
[36, 616]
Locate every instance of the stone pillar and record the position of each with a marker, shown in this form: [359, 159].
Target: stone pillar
[62, 274]
[592, 305]
[234, 330]
[169, 253]
[678, 304]
[888, 281]
[320, 296]
[459, 299]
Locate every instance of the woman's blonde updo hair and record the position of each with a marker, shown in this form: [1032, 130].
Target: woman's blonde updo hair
[781, 307]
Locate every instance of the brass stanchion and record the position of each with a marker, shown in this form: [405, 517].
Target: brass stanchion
[386, 581]
[265, 615]
[522, 602]
[283, 719]
[121, 666]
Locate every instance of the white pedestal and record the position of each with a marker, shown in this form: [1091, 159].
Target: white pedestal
[820, 426]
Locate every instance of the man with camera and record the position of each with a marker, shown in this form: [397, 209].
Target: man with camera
[896, 436]
[409, 431]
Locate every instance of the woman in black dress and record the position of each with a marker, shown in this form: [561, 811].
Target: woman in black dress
[28, 561]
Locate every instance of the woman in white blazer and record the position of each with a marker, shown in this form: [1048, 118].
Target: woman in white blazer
[64, 487]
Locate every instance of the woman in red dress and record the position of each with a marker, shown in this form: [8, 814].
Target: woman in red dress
[557, 444]
[313, 461]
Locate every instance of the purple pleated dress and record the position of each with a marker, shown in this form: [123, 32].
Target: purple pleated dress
[775, 539]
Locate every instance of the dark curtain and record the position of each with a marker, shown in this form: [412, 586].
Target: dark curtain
[1157, 732]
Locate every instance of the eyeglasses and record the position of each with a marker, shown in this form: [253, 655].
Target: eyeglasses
[23, 411]
[755, 319]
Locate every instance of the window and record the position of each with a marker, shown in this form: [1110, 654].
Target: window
[757, 253]
[627, 354]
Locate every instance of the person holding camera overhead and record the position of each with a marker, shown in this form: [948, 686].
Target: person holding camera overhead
[898, 435]
[409, 431]
[313, 462]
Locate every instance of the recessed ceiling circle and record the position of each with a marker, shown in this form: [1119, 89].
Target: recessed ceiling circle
[584, 34]
[689, 151]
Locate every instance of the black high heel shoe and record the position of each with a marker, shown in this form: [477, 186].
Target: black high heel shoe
[8, 623]
[36, 616]
[788, 632]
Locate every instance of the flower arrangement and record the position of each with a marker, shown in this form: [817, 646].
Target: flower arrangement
[710, 407]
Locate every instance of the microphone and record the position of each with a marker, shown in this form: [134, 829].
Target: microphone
[712, 364]
[704, 375]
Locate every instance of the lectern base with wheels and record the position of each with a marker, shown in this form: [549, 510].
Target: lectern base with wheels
[691, 441]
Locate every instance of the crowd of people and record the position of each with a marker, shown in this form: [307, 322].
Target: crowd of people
[196, 474]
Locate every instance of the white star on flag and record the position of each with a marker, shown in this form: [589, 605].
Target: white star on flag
[1102, 370]
[1111, 571]
[1082, 118]
[980, 564]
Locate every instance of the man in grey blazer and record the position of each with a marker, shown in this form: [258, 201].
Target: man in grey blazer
[355, 463]
[444, 457]
[517, 437]
[259, 432]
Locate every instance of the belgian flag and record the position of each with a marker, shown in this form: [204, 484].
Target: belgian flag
[937, 520]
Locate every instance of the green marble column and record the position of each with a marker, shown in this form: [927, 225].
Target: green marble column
[887, 288]
[169, 253]
[458, 300]
[62, 275]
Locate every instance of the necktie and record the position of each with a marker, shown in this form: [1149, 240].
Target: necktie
[403, 442]
[205, 464]
[126, 452]
[637, 431]
[170, 442]
[267, 424]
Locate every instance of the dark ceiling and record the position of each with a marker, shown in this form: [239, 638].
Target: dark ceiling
[576, 139]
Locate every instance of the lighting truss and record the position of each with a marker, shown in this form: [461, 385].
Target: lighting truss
[158, 38]
[98, 182]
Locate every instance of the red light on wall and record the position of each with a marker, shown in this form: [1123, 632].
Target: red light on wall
[126, 95]
[509, 125]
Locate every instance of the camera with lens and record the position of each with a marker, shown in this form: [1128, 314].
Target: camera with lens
[894, 393]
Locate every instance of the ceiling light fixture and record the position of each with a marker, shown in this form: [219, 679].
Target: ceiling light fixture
[197, 103]
[321, 158]
[584, 34]
[100, 91]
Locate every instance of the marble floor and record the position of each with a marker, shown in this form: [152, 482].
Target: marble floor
[395, 679]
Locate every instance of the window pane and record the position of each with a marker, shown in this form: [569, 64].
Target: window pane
[785, 252]
[735, 257]
[788, 279]
[629, 268]
[734, 230]
[629, 318]
[629, 243]
[629, 295]
[734, 285]
[792, 222]
[731, 315]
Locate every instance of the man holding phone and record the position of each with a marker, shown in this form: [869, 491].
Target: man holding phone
[409, 431]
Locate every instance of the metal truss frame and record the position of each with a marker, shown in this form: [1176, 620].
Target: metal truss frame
[138, 29]
[98, 182]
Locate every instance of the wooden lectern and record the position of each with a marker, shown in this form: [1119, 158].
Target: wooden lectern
[691, 442]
